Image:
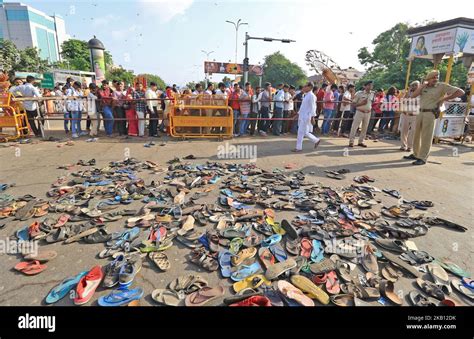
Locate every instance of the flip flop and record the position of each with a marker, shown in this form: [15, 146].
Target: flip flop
[41, 256]
[63, 219]
[81, 235]
[461, 288]
[306, 248]
[369, 260]
[168, 297]
[390, 273]
[317, 252]
[266, 257]
[60, 291]
[393, 245]
[254, 300]
[414, 257]
[400, 263]
[453, 268]
[387, 290]
[204, 295]
[278, 252]
[225, 263]
[160, 259]
[245, 270]
[289, 229]
[293, 246]
[440, 277]
[204, 260]
[292, 292]
[244, 254]
[418, 299]
[332, 283]
[277, 269]
[253, 282]
[235, 245]
[272, 240]
[30, 267]
[87, 285]
[120, 297]
[430, 288]
[343, 300]
[307, 286]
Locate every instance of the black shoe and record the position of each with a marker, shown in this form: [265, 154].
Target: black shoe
[419, 162]
[410, 157]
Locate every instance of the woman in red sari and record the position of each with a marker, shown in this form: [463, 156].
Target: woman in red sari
[131, 114]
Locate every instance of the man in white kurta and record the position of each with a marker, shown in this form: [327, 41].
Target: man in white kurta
[305, 115]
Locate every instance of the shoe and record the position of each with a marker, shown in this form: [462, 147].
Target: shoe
[419, 162]
[112, 271]
[129, 270]
[361, 144]
[75, 136]
[410, 157]
[316, 144]
[351, 144]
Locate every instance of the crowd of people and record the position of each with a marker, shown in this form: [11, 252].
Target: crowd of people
[343, 110]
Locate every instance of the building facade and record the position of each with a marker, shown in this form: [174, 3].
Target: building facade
[29, 27]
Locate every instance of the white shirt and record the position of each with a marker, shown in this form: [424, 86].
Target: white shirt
[346, 107]
[308, 106]
[151, 94]
[288, 106]
[91, 104]
[74, 105]
[27, 90]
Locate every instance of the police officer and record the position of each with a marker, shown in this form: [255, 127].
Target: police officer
[432, 95]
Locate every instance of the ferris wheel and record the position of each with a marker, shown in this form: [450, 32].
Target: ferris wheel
[324, 65]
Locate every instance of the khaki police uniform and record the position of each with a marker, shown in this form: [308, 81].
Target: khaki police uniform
[425, 121]
[362, 115]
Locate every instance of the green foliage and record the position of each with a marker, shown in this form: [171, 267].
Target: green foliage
[26, 60]
[119, 73]
[387, 64]
[76, 55]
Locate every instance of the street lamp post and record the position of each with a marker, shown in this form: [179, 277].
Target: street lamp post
[246, 43]
[207, 58]
[236, 26]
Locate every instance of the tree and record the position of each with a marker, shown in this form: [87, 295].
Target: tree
[76, 55]
[279, 69]
[119, 73]
[154, 78]
[9, 56]
[387, 63]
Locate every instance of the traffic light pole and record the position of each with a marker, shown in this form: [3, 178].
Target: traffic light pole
[246, 43]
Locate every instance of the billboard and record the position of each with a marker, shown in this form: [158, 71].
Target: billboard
[433, 43]
[464, 41]
[211, 67]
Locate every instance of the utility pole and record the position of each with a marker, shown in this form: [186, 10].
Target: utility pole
[236, 26]
[246, 58]
[207, 58]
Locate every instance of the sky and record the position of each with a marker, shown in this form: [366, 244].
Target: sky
[165, 37]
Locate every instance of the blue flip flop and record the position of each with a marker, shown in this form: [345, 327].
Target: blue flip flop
[204, 241]
[22, 234]
[271, 240]
[120, 297]
[317, 254]
[58, 292]
[245, 271]
[225, 263]
[278, 252]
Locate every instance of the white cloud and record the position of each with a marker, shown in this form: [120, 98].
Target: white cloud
[165, 10]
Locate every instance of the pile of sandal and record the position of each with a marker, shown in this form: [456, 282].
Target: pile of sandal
[340, 246]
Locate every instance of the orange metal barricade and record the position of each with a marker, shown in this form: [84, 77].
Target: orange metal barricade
[12, 116]
[201, 116]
